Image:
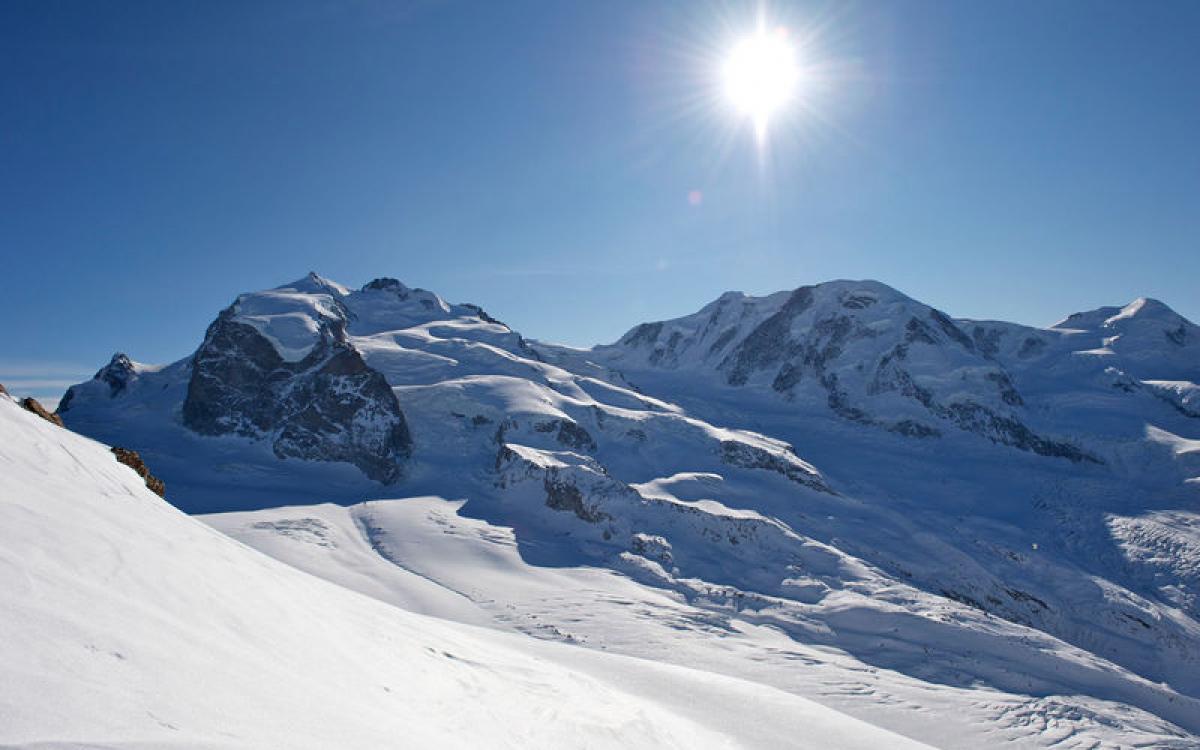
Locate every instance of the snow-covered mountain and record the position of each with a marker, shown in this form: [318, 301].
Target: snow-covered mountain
[871, 355]
[991, 521]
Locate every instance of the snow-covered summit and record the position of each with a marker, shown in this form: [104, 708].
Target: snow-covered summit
[314, 283]
[1145, 338]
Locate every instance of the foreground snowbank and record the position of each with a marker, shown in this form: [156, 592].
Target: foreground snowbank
[124, 623]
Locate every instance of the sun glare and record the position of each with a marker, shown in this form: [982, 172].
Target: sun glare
[760, 76]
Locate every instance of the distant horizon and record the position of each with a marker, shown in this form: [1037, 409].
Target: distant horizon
[47, 381]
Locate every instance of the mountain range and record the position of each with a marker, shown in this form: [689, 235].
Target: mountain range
[837, 493]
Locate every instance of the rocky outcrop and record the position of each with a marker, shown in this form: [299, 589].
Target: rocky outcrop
[692, 541]
[564, 494]
[328, 406]
[568, 434]
[117, 373]
[748, 456]
[770, 343]
[32, 405]
[135, 462]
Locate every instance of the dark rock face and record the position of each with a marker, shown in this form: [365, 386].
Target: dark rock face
[1031, 347]
[987, 341]
[329, 406]
[998, 428]
[729, 334]
[569, 434]
[752, 457]
[953, 331]
[32, 405]
[644, 335]
[484, 316]
[117, 373]
[562, 494]
[766, 344]
[384, 283]
[135, 462]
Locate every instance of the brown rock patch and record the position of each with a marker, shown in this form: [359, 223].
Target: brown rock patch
[32, 405]
[135, 462]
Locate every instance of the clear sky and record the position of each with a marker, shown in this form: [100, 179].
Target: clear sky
[564, 164]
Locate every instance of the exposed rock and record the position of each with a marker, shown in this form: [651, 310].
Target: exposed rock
[568, 434]
[858, 301]
[767, 344]
[388, 283]
[652, 547]
[32, 405]
[484, 316]
[729, 334]
[913, 428]
[117, 373]
[752, 457]
[645, 334]
[329, 406]
[953, 331]
[562, 494]
[1008, 392]
[919, 330]
[987, 340]
[1031, 347]
[135, 462]
[998, 428]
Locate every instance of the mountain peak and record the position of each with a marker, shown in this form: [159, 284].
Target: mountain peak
[1144, 308]
[384, 283]
[119, 371]
[313, 283]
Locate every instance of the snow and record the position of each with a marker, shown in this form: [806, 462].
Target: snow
[290, 320]
[128, 624]
[314, 284]
[1178, 445]
[960, 592]
[415, 547]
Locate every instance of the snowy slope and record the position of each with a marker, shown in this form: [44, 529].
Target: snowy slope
[987, 684]
[124, 623]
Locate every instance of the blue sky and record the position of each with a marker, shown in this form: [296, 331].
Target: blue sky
[1018, 160]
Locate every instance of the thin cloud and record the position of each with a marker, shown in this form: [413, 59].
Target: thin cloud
[25, 368]
[34, 383]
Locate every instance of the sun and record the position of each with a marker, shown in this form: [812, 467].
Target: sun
[760, 76]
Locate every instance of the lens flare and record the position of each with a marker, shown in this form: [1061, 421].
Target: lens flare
[760, 76]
